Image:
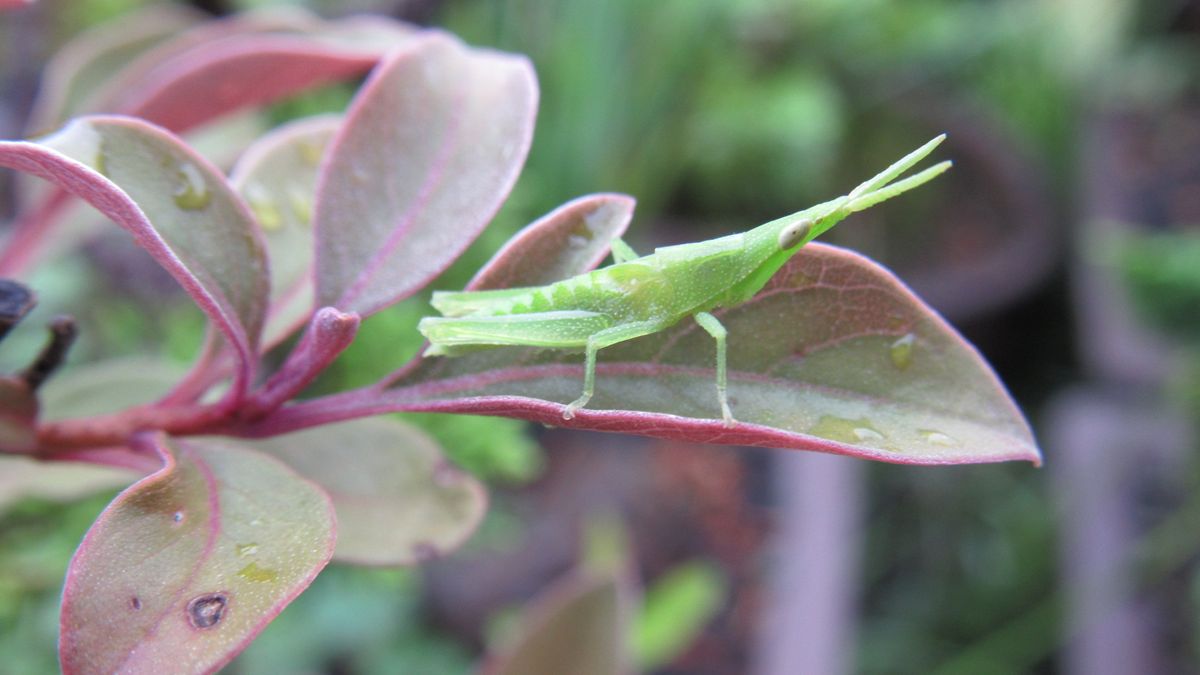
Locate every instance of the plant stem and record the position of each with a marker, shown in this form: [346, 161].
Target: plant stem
[70, 436]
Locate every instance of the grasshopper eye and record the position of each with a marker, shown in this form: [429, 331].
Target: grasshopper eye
[795, 233]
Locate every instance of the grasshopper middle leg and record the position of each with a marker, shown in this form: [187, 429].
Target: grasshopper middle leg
[598, 341]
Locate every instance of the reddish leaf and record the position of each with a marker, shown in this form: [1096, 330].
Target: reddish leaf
[834, 355]
[244, 60]
[570, 240]
[240, 72]
[430, 148]
[277, 176]
[185, 567]
[93, 58]
[176, 206]
[201, 74]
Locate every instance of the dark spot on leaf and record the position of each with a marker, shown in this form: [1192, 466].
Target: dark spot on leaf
[206, 611]
[177, 516]
[424, 551]
[135, 602]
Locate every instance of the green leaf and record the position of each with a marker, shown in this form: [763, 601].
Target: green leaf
[185, 567]
[675, 610]
[398, 501]
[430, 148]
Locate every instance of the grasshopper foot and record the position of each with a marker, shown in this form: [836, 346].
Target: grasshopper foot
[726, 414]
[569, 411]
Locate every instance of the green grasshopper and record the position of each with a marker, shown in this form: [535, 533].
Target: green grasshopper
[639, 296]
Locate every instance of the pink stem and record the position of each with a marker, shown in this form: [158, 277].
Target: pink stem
[69, 437]
[329, 333]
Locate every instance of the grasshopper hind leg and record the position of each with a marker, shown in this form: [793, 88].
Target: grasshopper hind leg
[714, 328]
[589, 383]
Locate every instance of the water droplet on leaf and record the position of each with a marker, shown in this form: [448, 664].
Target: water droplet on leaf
[135, 603]
[938, 438]
[311, 151]
[244, 550]
[902, 351]
[191, 193]
[867, 434]
[253, 572]
[207, 611]
[177, 516]
[301, 203]
[264, 208]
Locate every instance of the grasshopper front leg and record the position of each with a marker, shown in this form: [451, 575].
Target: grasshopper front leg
[710, 323]
[622, 252]
[598, 341]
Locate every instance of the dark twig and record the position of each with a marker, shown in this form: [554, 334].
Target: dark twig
[62, 335]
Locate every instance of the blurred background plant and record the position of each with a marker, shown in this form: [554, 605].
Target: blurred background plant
[1064, 244]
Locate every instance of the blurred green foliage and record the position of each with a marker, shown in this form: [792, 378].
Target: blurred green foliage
[37, 539]
[354, 620]
[676, 608]
[497, 449]
[953, 562]
[76, 16]
[1162, 273]
[617, 78]
[328, 99]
